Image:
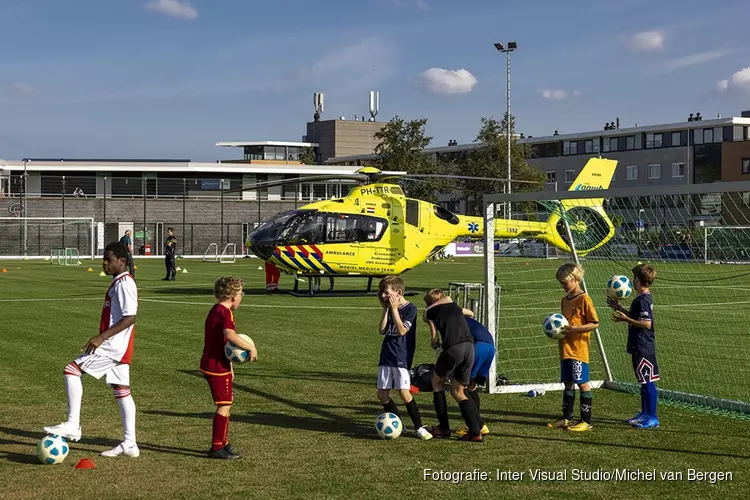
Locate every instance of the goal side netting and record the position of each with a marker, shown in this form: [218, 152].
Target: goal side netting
[697, 238]
[46, 237]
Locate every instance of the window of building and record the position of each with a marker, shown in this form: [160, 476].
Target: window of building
[654, 171]
[596, 144]
[718, 134]
[746, 165]
[708, 135]
[649, 141]
[588, 146]
[678, 169]
[573, 148]
[569, 176]
[613, 144]
[551, 175]
[630, 142]
[697, 136]
[631, 172]
[657, 140]
[605, 144]
[676, 139]
[566, 147]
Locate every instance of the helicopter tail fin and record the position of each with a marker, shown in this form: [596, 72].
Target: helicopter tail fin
[588, 213]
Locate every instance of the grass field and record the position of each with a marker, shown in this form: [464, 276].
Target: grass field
[303, 414]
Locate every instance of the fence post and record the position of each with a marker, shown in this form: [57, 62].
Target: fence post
[104, 222]
[222, 211]
[184, 195]
[63, 211]
[144, 213]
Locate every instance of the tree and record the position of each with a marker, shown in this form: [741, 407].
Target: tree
[401, 148]
[307, 156]
[490, 159]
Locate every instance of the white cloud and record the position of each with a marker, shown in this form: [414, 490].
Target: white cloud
[23, 88]
[446, 81]
[739, 81]
[173, 8]
[647, 41]
[695, 59]
[558, 94]
[419, 4]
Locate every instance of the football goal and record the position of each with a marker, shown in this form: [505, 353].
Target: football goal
[697, 238]
[227, 256]
[65, 257]
[40, 236]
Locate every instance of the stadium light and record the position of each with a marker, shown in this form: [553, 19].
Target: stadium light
[507, 49]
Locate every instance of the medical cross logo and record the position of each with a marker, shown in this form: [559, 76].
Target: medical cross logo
[473, 227]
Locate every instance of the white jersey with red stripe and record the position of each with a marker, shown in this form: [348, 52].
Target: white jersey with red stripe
[121, 300]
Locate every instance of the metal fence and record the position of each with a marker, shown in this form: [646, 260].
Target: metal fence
[201, 210]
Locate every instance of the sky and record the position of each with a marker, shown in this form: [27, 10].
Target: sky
[170, 78]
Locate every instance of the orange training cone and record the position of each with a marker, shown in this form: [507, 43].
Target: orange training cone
[4, 271]
[85, 463]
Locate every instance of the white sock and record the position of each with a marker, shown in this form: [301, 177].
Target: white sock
[127, 413]
[74, 388]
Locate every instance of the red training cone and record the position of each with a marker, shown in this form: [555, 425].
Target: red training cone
[85, 463]
[414, 389]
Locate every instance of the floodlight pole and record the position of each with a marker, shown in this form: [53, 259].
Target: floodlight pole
[508, 48]
[24, 203]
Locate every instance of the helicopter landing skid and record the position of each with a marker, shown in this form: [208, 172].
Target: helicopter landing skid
[336, 293]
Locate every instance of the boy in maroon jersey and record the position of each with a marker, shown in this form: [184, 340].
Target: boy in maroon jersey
[216, 367]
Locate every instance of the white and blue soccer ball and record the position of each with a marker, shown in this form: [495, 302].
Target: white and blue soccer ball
[52, 450]
[236, 354]
[553, 325]
[619, 287]
[389, 425]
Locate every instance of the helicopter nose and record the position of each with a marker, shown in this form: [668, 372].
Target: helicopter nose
[261, 246]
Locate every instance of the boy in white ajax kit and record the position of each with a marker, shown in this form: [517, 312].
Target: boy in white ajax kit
[108, 353]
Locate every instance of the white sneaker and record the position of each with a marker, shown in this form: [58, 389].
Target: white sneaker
[423, 434]
[127, 449]
[66, 430]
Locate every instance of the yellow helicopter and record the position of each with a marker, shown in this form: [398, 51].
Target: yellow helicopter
[376, 230]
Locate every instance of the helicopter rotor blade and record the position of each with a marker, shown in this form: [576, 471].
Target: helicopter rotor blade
[297, 180]
[466, 177]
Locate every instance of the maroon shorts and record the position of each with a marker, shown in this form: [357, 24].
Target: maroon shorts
[221, 388]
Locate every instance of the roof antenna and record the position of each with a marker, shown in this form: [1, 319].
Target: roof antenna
[374, 104]
[318, 104]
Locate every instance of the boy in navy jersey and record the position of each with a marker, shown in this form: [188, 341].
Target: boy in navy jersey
[641, 343]
[398, 324]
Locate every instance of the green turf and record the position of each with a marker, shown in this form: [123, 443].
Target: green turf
[304, 413]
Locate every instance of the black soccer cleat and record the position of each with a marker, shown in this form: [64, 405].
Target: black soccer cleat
[223, 454]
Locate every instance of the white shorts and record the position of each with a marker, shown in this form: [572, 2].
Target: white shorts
[390, 377]
[97, 366]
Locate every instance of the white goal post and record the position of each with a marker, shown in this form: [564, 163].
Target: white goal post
[36, 237]
[696, 237]
[227, 256]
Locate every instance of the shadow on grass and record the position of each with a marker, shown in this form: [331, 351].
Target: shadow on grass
[209, 291]
[104, 443]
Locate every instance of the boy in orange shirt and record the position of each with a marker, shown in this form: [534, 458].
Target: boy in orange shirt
[578, 309]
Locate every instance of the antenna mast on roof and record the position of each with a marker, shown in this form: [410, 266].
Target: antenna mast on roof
[374, 104]
[318, 104]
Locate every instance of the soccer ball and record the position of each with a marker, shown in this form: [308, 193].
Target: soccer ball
[235, 354]
[618, 287]
[389, 426]
[553, 324]
[52, 450]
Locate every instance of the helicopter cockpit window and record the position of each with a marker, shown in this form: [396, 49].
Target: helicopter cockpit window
[309, 230]
[345, 228]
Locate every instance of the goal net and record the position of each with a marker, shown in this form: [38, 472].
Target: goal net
[212, 253]
[40, 236]
[697, 238]
[65, 257]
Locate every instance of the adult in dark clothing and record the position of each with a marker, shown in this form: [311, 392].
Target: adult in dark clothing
[170, 248]
[127, 241]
